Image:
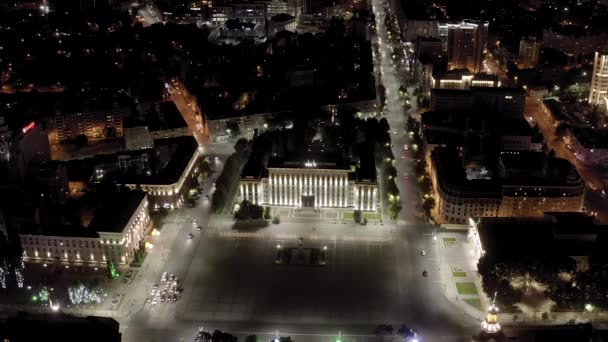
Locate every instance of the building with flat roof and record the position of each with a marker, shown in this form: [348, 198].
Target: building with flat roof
[311, 181]
[598, 93]
[526, 185]
[162, 122]
[114, 234]
[166, 171]
[58, 327]
[590, 145]
[430, 48]
[529, 52]
[533, 184]
[466, 44]
[463, 80]
[457, 197]
[495, 238]
[505, 102]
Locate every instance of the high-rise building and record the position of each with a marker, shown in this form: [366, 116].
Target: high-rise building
[249, 12]
[529, 51]
[430, 48]
[466, 44]
[598, 93]
[312, 6]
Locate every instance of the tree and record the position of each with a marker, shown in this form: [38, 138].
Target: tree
[394, 209]
[233, 129]
[383, 330]
[420, 166]
[248, 211]
[112, 271]
[383, 125]
[219, 336]
[240, 145]
[428, 205]
[406, 332]
[561, 130]
[267, 213]
[81, 141]
[357, 216]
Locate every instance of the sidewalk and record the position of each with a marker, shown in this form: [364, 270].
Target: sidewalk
[462, 286]
[459, 278]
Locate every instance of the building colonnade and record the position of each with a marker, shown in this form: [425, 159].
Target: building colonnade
[326, 189]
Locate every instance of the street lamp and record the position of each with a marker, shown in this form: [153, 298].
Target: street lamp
[278, 259]
[54, 306]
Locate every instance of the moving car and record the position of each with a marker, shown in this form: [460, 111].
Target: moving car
[190, 236]
[199, 228]
[423, 252]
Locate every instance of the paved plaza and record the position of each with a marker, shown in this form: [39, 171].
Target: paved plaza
[238, 280]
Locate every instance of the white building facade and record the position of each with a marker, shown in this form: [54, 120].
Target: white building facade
[95, 248]
[598, 93]
[312, 187]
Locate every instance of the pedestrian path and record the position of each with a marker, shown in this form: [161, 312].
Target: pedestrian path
[458, 273]
[370, 237]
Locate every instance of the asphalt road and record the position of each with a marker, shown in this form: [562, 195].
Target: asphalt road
[232, 284]
[426, 307]
[594, 177]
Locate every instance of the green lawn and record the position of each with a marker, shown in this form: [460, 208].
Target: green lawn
[466, 288]
[449, 242]
[474, 302]
[368, 216]
[458, 272]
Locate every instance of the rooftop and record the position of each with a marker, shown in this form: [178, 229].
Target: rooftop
[179, 149]
[324, 161]
[499, 235]
[57, 230]
[167, 116]
[58, 327]
[452, 177]
[113, 213]
[591, 138]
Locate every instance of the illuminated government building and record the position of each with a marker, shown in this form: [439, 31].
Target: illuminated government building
[313, 182]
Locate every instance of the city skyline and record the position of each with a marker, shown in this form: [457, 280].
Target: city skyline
[303, 171]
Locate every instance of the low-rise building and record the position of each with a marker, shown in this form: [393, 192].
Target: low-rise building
[507, 102]
[533, 184]
[57, 326]
[458, 198]
[590, 145]
[166, 171]
[525, 187]
[115, 233]
[463, 80]
[518, 239]
[319, 181]
[165, 121]
[420, 28]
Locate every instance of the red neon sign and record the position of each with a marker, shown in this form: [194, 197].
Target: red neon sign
[28, 127]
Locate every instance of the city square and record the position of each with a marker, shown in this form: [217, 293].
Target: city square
[303, 170]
